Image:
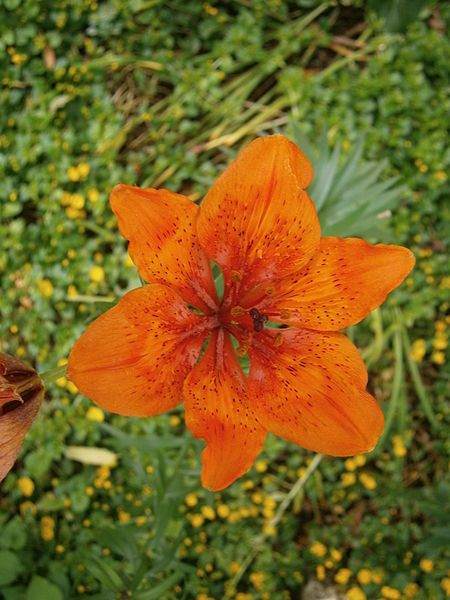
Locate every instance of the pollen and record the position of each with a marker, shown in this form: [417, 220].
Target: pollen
[237, 311]
[242, 349]
[277, 340]
[235, 276]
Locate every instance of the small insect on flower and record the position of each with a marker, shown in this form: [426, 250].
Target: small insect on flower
[21, 393]
[287, 294]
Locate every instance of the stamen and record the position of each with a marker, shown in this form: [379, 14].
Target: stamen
[277, 340]
[242, 349]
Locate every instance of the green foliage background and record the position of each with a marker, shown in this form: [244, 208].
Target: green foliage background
[164, 94]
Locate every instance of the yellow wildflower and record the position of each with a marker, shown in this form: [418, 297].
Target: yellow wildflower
[320, 572]
[95, 413]
[440, 343]
[445, 585]
[83, 170]
[390, 593]
[223, 511]
[72, 291]
[336, 555]
[440, 175]
[45, 287]
[410, 591]
[257, 579]
[261, 466]
[47, 529]
[360, 460]
[355, 593]
[26, 486]
[93, 195]
[398, 446]
[72, 174]
[348, 479]
[418, 350]
[124, 517]
[368, 481]
[318, 549]
[71, 387]
[234, 568]
[96, 274]
[76, 201]
[426, 565]
[342, 576]
[191, 500]
[27, 506]
[364, 576]
[438, 358]
[197, 521]
[350, 464]
[208, 512]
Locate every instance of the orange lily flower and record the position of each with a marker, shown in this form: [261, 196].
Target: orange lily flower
[306, 381]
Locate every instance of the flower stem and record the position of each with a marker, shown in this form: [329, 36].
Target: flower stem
[52, 375]
[257, 542]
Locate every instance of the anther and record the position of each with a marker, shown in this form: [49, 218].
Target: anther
[277, 340]
[242, 350]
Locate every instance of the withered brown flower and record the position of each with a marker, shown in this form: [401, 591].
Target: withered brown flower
[21, 393]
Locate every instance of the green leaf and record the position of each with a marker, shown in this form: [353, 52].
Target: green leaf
[10, 567]
[158, 590]
[14, 535]
[105, 574]
[41, 588]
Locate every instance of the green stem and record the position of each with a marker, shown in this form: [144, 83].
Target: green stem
[52, 375]
[258, 541]
[417, 380]
[396, 389]
[90, 299]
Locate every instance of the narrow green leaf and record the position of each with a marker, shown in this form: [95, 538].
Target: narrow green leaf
[157, 591]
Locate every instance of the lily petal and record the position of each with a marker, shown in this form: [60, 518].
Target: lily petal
[344, 281]
[257, 221]
[160, 226]
[134, 358]
[310, 389]
[217, 411]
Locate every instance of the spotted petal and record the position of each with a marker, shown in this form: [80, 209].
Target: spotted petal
[310, 389]
[134, 358]
[160, 226]
[218, 411]
[340, 285]
[257, 222]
